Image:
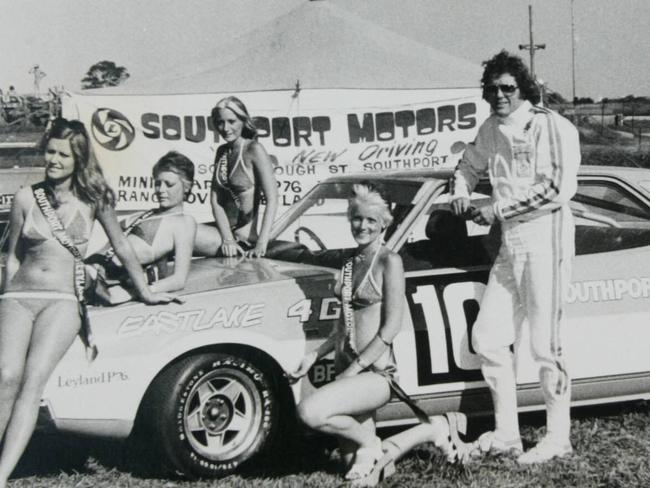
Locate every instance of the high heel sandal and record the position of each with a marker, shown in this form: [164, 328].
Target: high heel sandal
[454, 448]
[383, 468]
[365, 459]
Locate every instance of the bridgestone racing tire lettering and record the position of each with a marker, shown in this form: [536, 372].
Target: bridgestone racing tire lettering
[214, 412]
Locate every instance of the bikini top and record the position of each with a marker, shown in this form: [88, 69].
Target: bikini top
[368, 292]
[146, 229]
[36, 228]
[240, 180]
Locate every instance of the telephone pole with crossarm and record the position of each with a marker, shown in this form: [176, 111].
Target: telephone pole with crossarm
[531, 47]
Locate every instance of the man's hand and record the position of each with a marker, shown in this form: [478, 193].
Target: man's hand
[460, 206]
[484, 215]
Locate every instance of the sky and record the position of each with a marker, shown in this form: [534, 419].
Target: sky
[65, 37]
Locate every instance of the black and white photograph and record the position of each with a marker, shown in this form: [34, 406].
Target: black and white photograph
[324, 243]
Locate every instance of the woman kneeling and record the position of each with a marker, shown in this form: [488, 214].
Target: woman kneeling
[371, 289]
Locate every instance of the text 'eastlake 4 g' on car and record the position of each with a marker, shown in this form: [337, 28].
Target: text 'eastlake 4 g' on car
[204, 381]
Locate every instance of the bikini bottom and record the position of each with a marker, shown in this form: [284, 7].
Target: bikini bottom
[34, 302]
[389, 373]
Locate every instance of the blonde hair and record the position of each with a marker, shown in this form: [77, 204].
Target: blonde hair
[236, 106]
[371, 194]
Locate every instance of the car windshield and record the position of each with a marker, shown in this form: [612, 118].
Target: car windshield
[317, 230]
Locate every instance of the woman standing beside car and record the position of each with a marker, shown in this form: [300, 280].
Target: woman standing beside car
[42, 307]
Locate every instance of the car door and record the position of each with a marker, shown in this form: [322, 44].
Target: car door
[446, 261]
[608, 302]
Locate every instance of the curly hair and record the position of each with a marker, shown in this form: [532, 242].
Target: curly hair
[88, 181]
[373, 194]
[236, 106]
[504, 62]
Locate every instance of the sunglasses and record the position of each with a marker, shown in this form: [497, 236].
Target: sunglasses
[505, 89]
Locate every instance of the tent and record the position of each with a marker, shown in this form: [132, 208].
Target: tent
[330, 93]
[317, 45]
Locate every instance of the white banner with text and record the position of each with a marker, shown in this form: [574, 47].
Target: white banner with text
[310, 135]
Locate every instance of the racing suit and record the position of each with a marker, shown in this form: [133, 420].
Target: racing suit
[532, 158]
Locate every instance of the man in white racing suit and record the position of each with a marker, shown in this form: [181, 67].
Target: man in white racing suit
[531, 155]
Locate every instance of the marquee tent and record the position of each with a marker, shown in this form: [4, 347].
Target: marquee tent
[330, 92]
[318, 45]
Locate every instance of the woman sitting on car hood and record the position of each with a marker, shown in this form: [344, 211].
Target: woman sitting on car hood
[156, 235]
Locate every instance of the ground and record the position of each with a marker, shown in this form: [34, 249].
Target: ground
[611, 442]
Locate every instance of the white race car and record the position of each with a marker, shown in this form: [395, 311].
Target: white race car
[204, 382]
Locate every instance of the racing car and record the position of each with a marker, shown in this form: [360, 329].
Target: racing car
[205, 382]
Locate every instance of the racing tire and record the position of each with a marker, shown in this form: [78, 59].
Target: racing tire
[209, 413]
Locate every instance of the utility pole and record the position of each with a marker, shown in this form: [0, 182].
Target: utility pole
[573, 55]
[531, 47]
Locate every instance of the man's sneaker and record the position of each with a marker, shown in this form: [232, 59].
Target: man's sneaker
[489, 443]
[545, 450]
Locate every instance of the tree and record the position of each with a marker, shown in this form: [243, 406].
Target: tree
[104, 73]
[583, 100]
[553, 97]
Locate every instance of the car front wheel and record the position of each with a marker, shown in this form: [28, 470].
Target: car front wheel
[209, 413]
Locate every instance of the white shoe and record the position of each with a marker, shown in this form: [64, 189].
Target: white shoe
[365, 460]
[545, 450]
[451, 445]
[489, 443]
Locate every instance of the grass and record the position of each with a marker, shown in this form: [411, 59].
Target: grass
[612, 449]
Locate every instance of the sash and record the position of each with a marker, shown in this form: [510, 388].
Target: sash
[346, 304]
[108, 255]
[223, 178]
[43, 199]
[350, 333]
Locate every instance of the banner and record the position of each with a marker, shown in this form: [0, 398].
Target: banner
[310, 135]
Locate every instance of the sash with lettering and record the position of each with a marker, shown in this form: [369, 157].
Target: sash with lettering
[110, 252]
[350, 327]
[44, 201]
[152, 270]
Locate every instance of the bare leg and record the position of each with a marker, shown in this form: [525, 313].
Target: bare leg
[54, 330]
[15, 331]
[438, 431]
[207, 241]
[401, 443]
[332, 408]
[347, 447]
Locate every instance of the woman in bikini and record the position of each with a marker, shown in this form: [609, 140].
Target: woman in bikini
[156, 235]
[40, 312]
[371, 288]
[243, 175]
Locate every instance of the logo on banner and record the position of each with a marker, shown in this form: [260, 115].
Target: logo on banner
[111, 129]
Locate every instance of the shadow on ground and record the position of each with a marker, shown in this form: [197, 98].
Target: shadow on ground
[51, 454]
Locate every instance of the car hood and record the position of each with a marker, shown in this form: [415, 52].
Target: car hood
[220, 273]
